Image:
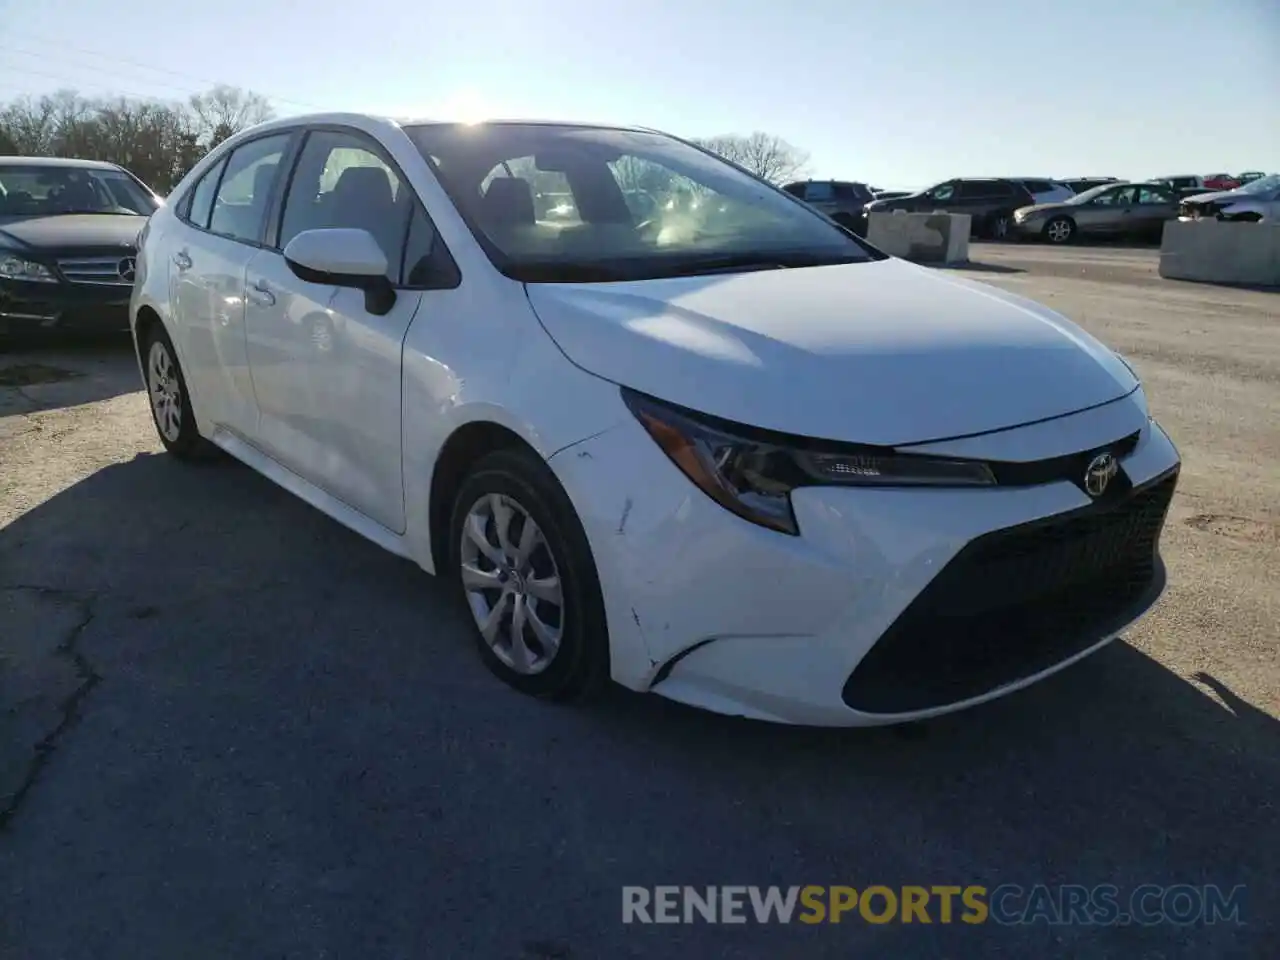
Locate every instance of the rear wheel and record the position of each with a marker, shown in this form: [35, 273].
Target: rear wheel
[170, 401]
[529, 579]
[998, 226]
[1060, 230]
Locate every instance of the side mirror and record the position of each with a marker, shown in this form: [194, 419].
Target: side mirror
[343, 257]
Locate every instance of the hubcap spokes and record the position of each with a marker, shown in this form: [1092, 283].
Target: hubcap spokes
[166, 394]
[512, 584]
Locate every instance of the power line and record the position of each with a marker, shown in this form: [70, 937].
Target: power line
[112, 83]
[61, 45]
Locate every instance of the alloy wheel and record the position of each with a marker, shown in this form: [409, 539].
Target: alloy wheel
[165, 391]
[1059, 231]
[512, 584]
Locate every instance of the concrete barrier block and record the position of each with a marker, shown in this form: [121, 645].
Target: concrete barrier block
[1215, 251]
[940, 238]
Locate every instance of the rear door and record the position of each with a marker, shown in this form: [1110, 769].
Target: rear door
[325, 369]
[220, 228]
[1154, 205]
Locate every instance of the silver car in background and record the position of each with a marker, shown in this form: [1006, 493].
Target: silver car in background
[1113, 210]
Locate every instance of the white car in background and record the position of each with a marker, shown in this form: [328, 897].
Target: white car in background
[717, 449]
[1256, 202]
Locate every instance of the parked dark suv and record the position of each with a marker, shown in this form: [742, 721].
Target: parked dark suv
[990, 202]
[841, 200]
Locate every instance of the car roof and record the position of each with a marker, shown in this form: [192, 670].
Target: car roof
[58, 162]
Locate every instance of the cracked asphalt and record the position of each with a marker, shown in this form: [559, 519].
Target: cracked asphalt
[231, 728]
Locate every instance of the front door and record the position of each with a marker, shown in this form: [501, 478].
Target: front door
[326, 371]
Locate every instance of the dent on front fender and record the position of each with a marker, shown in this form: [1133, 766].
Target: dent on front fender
[622, 503]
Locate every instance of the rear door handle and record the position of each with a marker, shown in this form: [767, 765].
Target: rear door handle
[261, 294]
[182, 261]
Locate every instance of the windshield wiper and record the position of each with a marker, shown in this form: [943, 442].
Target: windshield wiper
[743, 262]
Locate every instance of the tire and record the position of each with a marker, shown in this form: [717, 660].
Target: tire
[517, 486]
[998, 226]
[169, 399]
[1060, 230]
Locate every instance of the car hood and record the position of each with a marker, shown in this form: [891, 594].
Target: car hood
[1217, 196]
[883, 352]
[72, 230]
[1045, 207]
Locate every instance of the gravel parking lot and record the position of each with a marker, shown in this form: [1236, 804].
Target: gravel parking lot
[231, 728]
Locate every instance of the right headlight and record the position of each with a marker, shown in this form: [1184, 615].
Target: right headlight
[14, 267]
[752, 472]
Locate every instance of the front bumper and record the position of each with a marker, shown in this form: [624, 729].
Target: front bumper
[840, 626]
[1029, 228]
[36, 308]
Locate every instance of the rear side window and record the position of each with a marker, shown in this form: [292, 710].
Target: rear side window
[852, 191]
[978, 190]
[1039, 186]
[201, 203]
[241, 205]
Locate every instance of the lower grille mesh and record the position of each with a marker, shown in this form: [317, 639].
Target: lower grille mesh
[1018, 601]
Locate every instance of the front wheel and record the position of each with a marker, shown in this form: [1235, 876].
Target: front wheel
[529, 579]
[998, 226]
[1059, 230]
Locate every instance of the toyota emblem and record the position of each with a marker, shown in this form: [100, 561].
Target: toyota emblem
[1099, 473]
[127, 268]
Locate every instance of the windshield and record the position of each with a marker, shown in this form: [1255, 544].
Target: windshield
[46, 191]
[1090, 194]
[1261, 185]
[578, 204]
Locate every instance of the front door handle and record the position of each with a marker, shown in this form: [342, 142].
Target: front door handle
[261, 294]
[182, 261]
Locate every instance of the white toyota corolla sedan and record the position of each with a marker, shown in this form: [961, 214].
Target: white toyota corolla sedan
[661, 422]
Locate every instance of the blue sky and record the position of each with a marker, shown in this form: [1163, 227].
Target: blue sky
[903, 93]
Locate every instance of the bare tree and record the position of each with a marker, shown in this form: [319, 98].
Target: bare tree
[157, 141]
[28, 124]
[764, 154]
[225, 111]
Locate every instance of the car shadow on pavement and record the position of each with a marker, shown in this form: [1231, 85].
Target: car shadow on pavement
[294, 723]
[68, 373]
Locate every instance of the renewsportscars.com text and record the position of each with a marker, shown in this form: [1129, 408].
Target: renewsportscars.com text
[1008, 904]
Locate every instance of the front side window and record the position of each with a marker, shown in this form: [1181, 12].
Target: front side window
[577, 204]
[341, 182]
[240, 207]
[52, 190]
[820, 192]
[1153, 196]
[943, 192]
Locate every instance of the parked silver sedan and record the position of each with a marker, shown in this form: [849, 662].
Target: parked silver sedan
[1112, 210]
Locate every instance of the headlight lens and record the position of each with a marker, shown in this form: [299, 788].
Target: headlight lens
[15, 268]
[752, 472]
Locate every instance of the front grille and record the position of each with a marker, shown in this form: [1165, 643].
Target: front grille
[108, 271]
[1071, 467]
[1015, 602]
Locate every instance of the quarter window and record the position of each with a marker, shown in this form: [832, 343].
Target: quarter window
[241, 206]
[202, 196]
